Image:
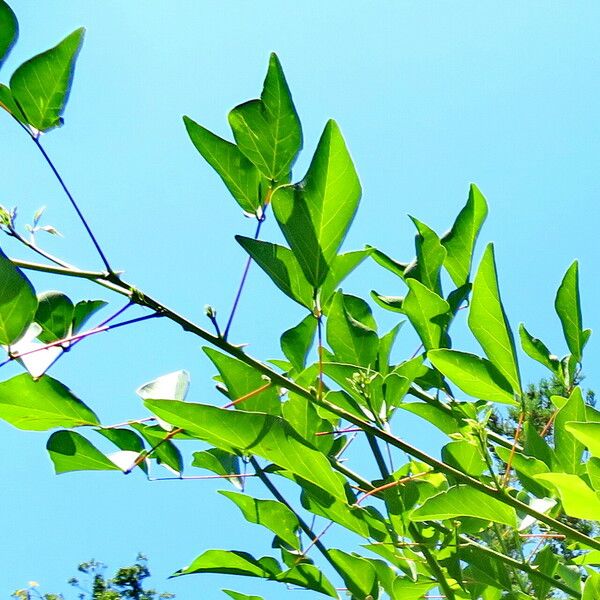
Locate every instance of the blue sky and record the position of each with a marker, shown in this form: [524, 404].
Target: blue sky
[429, 96]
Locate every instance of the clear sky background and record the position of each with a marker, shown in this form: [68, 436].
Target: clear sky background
[430, 96]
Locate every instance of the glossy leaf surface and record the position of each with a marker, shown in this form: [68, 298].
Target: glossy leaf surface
[268, 130]
[41, 405]
[577, 498]
[42, 84]
[9, 30]
[297, 341]
[475, 376]
[488, 321]
[315, 214]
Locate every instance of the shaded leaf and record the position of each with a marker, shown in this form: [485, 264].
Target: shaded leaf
[54, 315]
[239, 596]
[568, 309]
[7, 102]
[430, 257]
[271, 514]
[388, 263]
[297, 341]
[488, 321]
[70, 451]
[240, 176]
[384, 352]
[18, 302]
[280, 264]
[264, 435]
[392, 303]
[546, 562]
[268, 130]
[84, 310]
[358, 573]
[460, 240]
[340, 268]
[220, 462]
[9, 30]
[475, 376]
[462, 500]
[165, 452]
[42, 84]
[41, 405]
[315, 214]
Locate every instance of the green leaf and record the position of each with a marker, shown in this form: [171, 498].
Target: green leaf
[382, 259]
[271, 514]
[462, 500]
[297, 341]
[54, 315]
[220, 462]
[407, 589]
[460, 240]
[18, 302]
[588, 434]
[465, 456]
[315, 214]
[546, 562]
[475, 376]
[7, 102]
[351, 336]
[578, 500]
[165, 452]
[537, 350]
[358, 573]
[309, 577]
[341, 267]
[229, 562]
[526, 467]
[264, 435]
[535, 445]
[41, 405]
[568, 309]
[239, 596]
[591, 589]
[280, 264]
[268, 130]
[304, 418]
[438, 417]
[488, 321]
[428, 313]
[240, 176]
[70, 451]
[42, 84]
[592, 467]
[391, 303]
[568, 448]
[241, 380]
[9, 30]
[430, 257]
[83, 311]
[384, 352]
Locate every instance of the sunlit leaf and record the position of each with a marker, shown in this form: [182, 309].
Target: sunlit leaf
[280, 264]
[430, 257]
[359, 575]
[460, 240]
[18, 302]
[588, 434]
[407, 589]
[240, 176]
[42, 84]
[268, 130]
[340, 268]
[9, 30]
[239, 596]
[568, 309]
[465, 456]
[271, 514]
[41, 405]
[315, 214]
[265, 435]
[220, 462]
[591, 589]
[537, 350]
[229, 562]
[32, 354]
[475, 376]
[84, 310]
[165, 452]
[349, 331]
[568, 449]
[488, 321]
[463, 500]
[242, 380]
[70, 451]
[578, 500]
[428, 313]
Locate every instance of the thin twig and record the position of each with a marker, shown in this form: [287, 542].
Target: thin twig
[513, 449]
[48, 160]
[249, 395]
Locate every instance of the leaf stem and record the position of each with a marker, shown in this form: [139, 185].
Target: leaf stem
[240, 289]
[83, 220]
